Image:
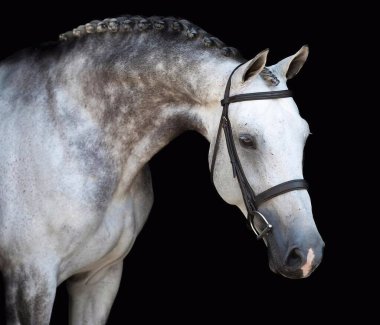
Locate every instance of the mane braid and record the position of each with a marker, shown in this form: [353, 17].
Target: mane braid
[139, 24]
[269, 77]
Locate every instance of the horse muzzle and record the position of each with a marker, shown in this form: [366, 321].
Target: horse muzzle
[299, 261]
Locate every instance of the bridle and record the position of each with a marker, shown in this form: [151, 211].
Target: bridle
[252, 201]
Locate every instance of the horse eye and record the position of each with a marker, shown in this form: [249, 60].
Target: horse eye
[247, 141]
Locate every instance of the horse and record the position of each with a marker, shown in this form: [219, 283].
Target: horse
[81, 118]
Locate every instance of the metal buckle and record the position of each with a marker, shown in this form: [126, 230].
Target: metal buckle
[268, 226]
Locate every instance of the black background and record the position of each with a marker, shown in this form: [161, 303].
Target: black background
[195, 260]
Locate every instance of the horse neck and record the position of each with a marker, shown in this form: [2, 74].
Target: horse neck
[145, 100]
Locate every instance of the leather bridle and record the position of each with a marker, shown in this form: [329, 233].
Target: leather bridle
[252, 201]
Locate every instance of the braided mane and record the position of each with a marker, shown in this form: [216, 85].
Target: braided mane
[269, 77]
[139, 24]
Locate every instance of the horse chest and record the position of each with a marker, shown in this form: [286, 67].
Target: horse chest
[116, 232]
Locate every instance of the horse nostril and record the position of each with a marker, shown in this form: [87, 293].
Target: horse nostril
[294, 258]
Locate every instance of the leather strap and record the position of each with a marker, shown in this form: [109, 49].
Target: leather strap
[222, 118]
[257, 96]
[216, 149]
[295, 184]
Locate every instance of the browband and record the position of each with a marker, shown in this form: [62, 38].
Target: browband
[256, 96]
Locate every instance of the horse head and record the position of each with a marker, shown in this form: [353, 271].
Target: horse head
[269, 137]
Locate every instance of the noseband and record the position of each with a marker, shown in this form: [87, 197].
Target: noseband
[252, 201]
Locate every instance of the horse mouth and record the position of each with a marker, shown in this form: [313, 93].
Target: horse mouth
[290, 274]
[294, 274]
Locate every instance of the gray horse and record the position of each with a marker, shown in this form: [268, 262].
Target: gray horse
[79, 122]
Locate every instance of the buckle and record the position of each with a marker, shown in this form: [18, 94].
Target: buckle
[259, 233]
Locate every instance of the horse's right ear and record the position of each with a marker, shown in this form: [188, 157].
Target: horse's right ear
[291, 65]
[253, 67]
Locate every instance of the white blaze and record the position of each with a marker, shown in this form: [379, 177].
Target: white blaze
[306, 268]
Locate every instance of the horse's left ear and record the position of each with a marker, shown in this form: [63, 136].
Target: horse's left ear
[290, 66]
[252, 68]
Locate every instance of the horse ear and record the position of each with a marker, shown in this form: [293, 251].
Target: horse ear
[253, 67]
[290, 66]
